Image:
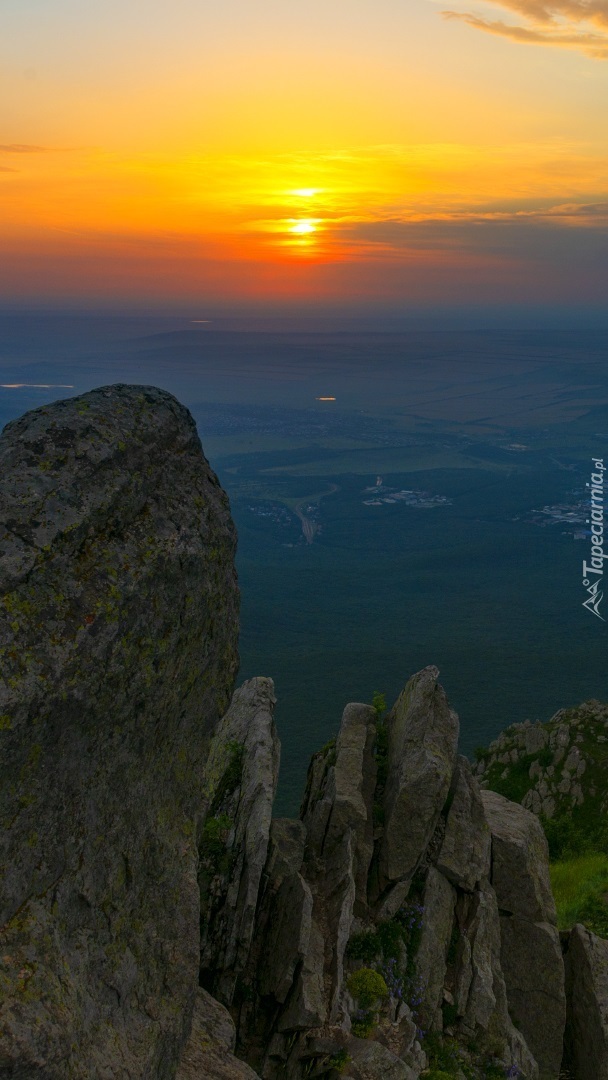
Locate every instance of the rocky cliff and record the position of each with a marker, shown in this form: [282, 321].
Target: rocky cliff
[156, 920]
[118, 635]
[404, 923]
[556, 769]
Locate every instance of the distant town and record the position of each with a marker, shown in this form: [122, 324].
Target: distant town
[274, 511]
[573, 514]
[382, 495]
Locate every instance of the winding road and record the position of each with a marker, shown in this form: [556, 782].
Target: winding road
[310, 527]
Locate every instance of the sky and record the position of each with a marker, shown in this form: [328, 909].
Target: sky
[339, 155]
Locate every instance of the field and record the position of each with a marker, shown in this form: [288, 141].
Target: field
[484, 586]
[386, 590]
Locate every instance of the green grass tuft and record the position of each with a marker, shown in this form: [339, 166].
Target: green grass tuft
[367, 987]
[580, 888]
[379, 704]
[516, 783]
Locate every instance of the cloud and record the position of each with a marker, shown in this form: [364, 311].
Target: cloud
[573, 11]
[578, 210]
[565, 236]
[22, 148]
[568, 24]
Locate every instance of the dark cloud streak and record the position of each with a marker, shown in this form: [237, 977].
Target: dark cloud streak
[569, 24]
[23, 148]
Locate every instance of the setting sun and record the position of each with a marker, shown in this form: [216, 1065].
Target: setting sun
[405, 166]
[303, 228]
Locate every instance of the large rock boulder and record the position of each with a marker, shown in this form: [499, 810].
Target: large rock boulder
[118, 633]
[240, 782]
[531, 955]
[435, 937]
[316, 880]
[480, 993]
[464, 857]
[353, 795]
[209, 1053]
[422, 743]
[587, 988]
[338, 815]
[431, 958]
[369, 1060]
[285, 914]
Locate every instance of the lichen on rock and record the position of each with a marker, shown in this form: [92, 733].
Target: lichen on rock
[118, 631]
[587, 990]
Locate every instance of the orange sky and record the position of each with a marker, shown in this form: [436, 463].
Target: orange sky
[345, 153]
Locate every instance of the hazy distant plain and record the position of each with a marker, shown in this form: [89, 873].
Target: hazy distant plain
[498, 423]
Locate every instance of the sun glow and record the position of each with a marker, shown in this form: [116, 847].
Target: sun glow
[304, 228]
[305, 193]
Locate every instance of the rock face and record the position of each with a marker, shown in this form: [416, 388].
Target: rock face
[118, 652]
[337, 820]
[209, 1052]
[587, 989]
[423, 738]
[240, 781]
[439, 901]
[555, 769]
[464, 857]
[530, 949]
[480, 1000]
[285, 921]
[467, 894]
[368, 1059]
[340, 843]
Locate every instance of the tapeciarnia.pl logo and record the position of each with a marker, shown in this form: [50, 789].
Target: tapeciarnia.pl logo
[593, 572]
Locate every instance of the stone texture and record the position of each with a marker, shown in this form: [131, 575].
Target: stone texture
[340, 792]
[311, 916]
[118, 634]
[483, 934]
[284, 920]
[480, 992]
[280, 946]
[462, 969]
[587, 989]
[532, 801]
[533, 969]
[286, 848]
[423, 736]
[431, 964]
[399, 1032]
[307, 1005]
[355, 780]
[288, 938]
[338, 815]
[465, 852]
[556, 755]
[372, 1061]
[535, 738]
[520, 860]
[208, 1054]
[246, 735]
[531, 955]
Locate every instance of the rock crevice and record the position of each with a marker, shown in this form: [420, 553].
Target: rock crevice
[118, 632]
